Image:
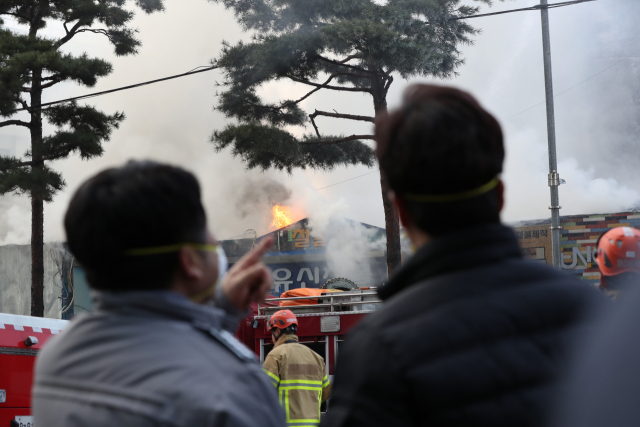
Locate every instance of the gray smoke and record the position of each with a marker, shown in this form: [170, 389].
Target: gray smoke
[597, 121]
[259, 194]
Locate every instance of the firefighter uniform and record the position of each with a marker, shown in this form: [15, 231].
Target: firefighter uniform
[299, 375]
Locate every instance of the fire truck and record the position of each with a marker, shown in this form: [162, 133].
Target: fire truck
[323, 321]
[21, 337]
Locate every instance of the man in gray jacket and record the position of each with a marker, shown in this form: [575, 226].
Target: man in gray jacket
[158, 350]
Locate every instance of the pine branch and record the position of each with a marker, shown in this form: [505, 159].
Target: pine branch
[342, 116]
[51, 83]
[337, 115]
[286, 104]
[43, 159]
[350, 57]
[70, 33]
[17, 15]
[339, 140]
[325, 86]
[342, 64]
[96, 31]
[15, 123]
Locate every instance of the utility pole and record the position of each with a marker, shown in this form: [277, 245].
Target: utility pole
[554, 177]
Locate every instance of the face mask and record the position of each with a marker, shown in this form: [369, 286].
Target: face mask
[223, 266]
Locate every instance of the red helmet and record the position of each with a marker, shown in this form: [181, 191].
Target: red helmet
[282, 319]
[618, 251]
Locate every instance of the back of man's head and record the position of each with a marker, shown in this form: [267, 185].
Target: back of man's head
[138, 205]
[441, 153]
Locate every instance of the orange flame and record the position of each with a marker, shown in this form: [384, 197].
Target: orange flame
[281, 216]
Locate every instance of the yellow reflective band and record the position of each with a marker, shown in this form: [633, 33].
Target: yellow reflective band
[300, 387]
[300, 382]
[286, 402]
[170, 248]
[305, 421]
[443, 198]
[273, 376]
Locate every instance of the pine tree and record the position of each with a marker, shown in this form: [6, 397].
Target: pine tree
[339, 45]
[31, 63]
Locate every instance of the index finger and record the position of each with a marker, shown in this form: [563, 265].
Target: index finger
[255, 254]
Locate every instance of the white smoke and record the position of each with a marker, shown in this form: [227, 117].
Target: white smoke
[15, 221]
[597, 121]
[350, 245]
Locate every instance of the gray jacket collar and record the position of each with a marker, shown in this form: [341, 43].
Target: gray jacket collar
[161, 304]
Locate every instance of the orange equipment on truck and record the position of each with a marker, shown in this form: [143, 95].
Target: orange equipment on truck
[21, 337]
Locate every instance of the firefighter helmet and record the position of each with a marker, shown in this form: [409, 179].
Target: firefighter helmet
[282, 319]
[618, 251]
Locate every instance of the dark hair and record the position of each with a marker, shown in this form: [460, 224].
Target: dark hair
[441, 142]
[139, 205]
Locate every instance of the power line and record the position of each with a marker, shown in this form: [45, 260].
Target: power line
[196, 71]
[337, 183]
[537, 7]
[91, 95]
[567, 90]
[346, 180]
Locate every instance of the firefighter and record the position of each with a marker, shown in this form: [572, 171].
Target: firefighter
[618, 258]
[296, 371]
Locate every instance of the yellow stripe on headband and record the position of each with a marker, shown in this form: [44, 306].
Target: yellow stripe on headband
[170, 248]
[443, 198]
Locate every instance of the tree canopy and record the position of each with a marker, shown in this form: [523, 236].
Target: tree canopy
[353, 46]
[32, 63]
[342, 45]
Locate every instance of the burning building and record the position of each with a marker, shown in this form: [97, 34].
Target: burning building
[301, 258]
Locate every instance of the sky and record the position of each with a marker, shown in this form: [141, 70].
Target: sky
[596, 72]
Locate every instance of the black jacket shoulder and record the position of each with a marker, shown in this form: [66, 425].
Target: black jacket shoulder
[482, 345]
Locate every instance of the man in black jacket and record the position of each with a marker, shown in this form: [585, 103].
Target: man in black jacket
[470, 334]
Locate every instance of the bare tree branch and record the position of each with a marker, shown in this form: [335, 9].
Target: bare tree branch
[350, 57]
[325, 86]
[24, 104]
[286, 104]
[70, 33]
[51, 83]
[15, 122]
[342, 116]
[339, 140]
[313, 122]
[51, 77]
[331, 61]
[17, 15]
[44, 159]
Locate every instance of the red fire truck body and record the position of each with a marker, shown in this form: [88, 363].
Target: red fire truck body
[21, 337]
[322, 326]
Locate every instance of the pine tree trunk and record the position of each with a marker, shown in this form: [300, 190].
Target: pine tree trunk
[37, 205]
[391, 219]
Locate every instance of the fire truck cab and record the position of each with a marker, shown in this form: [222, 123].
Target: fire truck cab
[21, 338]
[323, 321]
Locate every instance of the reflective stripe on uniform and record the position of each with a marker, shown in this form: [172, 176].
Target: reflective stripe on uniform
[325, 381]
[301, 423]
[300, 386]
[301, 381]
[274, 378]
